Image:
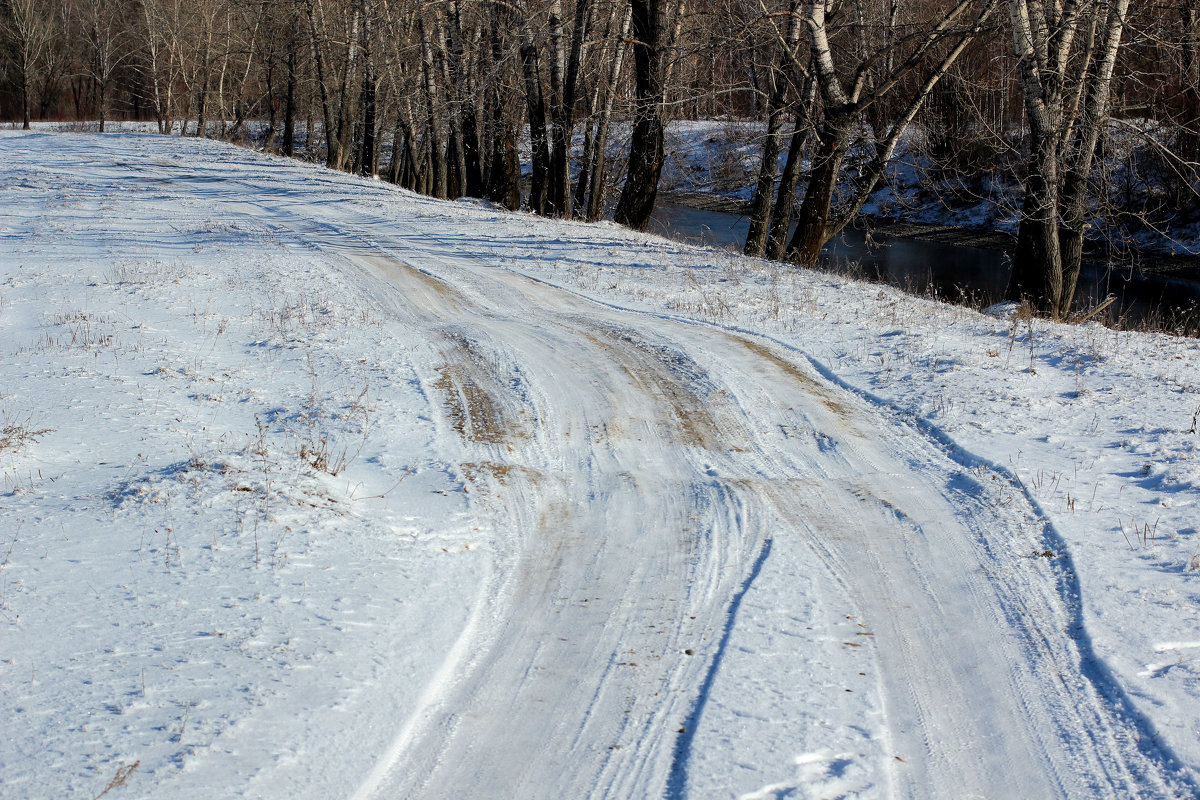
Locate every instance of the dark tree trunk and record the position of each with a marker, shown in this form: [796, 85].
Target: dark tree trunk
[785, 196]
[331, 155]
[201, 119]
[454, 163]
[26, 102]
[598, 161]
[102, 100]
[395, 166]
[366, 159]
[640, 191]
[504, 168]
[272, 108]
[289, 105]
[504, 185]
[563, 115]
[77, 98]
[468, 159]
[579, 198]
[437, 163]
[536, 108]
[813, 218]
[202, 102]
[1037, 260]
[597, 168]
[581, 193]
[646, 147]
[433, 139]
[760, 213]
[472, 157]
[558, 199]
[1189, 131]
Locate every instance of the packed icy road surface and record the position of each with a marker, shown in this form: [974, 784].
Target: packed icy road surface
[650, 470]
[711, 572]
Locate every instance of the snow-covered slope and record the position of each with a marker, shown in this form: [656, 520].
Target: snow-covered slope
[315, 488]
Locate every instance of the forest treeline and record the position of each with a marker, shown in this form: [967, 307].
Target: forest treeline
[443, 97]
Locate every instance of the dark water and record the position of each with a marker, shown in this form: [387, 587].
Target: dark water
[955, 272]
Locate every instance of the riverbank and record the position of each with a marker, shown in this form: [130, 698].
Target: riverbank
[958, 264]
[722, 157]
[1145, 261]
[1181, 267]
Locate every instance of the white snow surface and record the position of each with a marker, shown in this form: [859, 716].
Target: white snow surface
[311, 488]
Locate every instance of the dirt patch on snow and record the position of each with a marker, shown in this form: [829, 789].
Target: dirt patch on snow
[424, 290]
[476, 396]
[811, 385]
[670, 377]
[479, 472]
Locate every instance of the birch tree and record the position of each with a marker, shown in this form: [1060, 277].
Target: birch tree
[778, 84]
[165, 30]
[590, 189]
[878, 70]
[565, 77]
[1066, 51]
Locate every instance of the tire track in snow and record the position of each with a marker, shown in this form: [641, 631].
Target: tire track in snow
[1080, 744]
[1108, 712]
[1050, 729]
[629, 536]
[678, 778]
[976, 698]
[988, 696]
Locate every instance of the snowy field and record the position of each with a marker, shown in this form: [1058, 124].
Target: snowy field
[313, 488]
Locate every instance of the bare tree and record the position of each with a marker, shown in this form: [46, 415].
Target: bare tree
[590, 189]
[28, 28]
[535, 107]
[334, 31]
[59, 55]
[778, 84]
[785, 194]
[504, 168]
[653, 22]
[166, 28]
[884, 66]
[564, 80]
[1066, 53]
[106, 38]
[1189, 125]
[294, 59]
[452, 84]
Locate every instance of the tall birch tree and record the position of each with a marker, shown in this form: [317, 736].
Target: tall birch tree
[1066, 51]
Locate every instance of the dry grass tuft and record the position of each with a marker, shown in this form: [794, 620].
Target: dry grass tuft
[124, 773]
[14, 435]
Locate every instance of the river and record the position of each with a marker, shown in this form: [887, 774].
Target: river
[957, 272]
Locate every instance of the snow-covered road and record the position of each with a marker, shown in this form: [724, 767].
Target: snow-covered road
[647, 468]
[711, 571]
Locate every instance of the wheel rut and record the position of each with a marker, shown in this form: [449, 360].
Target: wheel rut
[636, 467]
